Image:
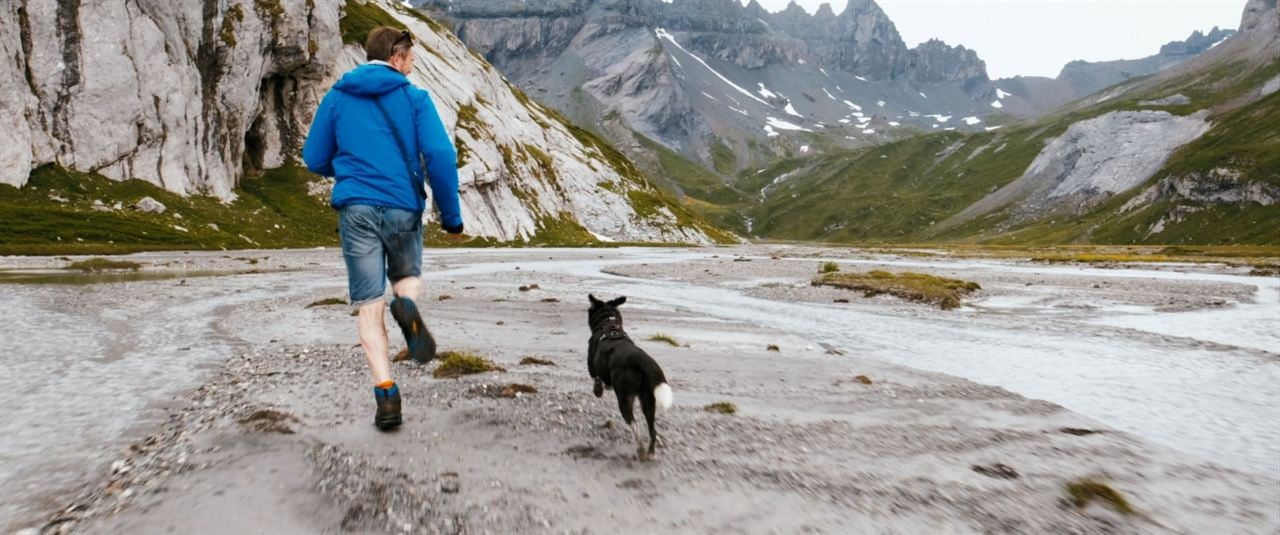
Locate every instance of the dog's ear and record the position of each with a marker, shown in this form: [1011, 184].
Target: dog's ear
[618, 302]
[594, 302]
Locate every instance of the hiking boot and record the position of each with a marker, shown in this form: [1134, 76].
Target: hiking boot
[422, 347]
[388, 415]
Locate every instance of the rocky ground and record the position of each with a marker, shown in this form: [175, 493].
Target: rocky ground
[279, 437]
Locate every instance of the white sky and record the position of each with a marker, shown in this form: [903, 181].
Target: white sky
[1037, 37]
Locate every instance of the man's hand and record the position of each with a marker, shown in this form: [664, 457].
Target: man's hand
[456, 238]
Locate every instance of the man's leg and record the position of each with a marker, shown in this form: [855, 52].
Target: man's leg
[410, 287]
[373, 338]
[402, 237]
[362, 249]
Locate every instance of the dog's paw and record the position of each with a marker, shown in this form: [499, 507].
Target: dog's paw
[598, 389]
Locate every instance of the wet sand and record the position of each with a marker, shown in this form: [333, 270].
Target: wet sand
[810, 448]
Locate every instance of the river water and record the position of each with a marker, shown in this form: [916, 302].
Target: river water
[86, 363]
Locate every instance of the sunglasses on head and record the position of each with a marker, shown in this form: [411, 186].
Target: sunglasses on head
[405, 36]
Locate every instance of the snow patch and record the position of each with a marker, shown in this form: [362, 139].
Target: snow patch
[852, 105]
[662, 33]
[1001, 94]
[774, 122]
[791, 110]
[997, 104]
[765, 92]
[971, 120]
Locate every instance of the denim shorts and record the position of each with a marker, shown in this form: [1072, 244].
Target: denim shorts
[378, 244]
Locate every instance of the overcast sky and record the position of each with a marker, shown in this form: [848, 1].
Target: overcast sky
[1037, 37]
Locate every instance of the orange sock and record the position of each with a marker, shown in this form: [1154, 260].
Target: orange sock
[386, 385]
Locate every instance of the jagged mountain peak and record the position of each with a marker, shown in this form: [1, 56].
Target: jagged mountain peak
[825, 12]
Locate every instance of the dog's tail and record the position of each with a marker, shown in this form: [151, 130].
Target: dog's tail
[654, 377]
[662, 394]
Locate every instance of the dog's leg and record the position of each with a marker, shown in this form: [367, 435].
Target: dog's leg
[598, 389]
[641, 451]
[626, 405]
[648, 405]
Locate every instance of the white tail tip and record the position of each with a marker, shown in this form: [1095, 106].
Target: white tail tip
[663, 395]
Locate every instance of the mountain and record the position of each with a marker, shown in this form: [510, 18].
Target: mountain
[699, 90]
[726, 85]
[1031, 95]
[1188, 155]
[199, 100]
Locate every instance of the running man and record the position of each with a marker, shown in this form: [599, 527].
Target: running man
[372, 133]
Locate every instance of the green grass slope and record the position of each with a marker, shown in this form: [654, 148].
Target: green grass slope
[901, 191]
[273, 210]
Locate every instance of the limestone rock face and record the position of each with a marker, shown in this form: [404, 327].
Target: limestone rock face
[177, 93]
[1093, 160]
[191, 94]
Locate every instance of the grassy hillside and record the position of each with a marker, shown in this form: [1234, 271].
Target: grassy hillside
[901, 191]
[55, 213]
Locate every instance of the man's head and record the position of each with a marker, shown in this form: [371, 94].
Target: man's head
[392, 46]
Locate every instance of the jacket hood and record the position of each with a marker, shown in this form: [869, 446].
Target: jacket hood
[371, 81]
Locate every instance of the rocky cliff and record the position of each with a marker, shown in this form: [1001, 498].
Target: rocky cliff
[191, 95]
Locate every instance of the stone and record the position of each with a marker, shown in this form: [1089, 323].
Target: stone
[147, 205]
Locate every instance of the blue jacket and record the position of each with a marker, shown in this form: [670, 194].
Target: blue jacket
[350, 141]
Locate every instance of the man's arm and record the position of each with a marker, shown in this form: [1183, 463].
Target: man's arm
[442, 163]
[322, 141]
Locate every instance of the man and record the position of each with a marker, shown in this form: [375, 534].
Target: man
[372, 132]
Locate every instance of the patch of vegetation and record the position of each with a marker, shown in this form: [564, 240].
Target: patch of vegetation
[327, 302]
[234, 16]
[514, 390]
[273, 210]
[360, 19]
[722, 157]
[460, 363]
[269, 9]
[707, 193]
[919, 287]
[94, 265]
[722, 407]
[1085, 491]
[829, 267]
[562, 230]
[535, 361]
[435, 25]
[862, 379]
[664, 338]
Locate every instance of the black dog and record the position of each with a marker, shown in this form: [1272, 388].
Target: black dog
[614, 361]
